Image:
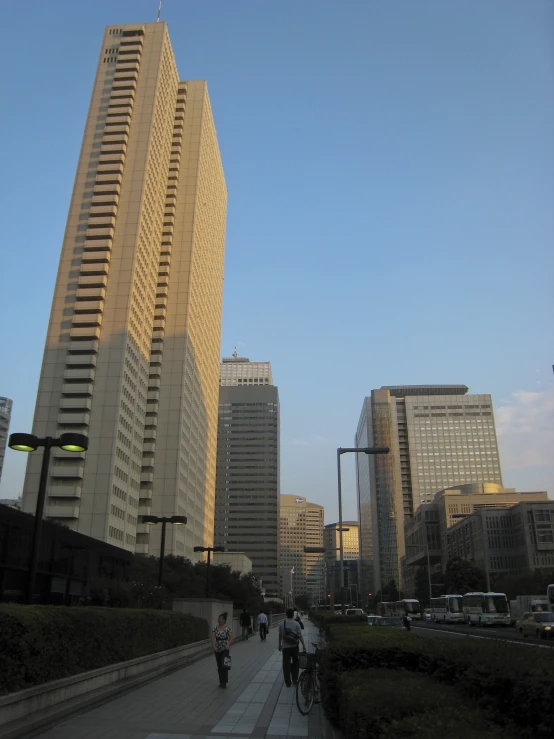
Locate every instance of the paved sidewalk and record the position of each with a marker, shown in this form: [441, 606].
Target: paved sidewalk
[189, 704]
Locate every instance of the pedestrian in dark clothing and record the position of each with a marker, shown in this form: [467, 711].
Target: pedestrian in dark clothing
[222, 638]
[290, 634]
[407, 621]
[244, 621]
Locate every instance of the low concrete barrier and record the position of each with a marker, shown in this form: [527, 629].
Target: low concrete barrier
[43, 705]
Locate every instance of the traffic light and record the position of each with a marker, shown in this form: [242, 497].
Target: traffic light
[370, 594]
[328, 595]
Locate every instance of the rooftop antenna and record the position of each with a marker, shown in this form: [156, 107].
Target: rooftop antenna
[235, 353]
[159, 11]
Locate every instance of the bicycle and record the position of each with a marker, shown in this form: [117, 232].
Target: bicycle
[308, 688]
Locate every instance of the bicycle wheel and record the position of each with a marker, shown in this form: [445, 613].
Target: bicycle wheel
[305, 693]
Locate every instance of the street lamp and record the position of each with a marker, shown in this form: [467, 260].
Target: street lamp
[176, 521]
[356, 450]
[69, 442]
[209, 550]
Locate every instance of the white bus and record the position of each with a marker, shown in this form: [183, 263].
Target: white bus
[550, 597]
[448, 609]
[408, 607]
[486, 609]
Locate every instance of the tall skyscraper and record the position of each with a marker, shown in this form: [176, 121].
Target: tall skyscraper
[438, 436]
[132, 351]
[247, 482]
[5, 415]
[301, 525]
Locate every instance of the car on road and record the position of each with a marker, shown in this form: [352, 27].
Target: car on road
[427, 615]
[537, 624]
[394, 622]
[355, 612]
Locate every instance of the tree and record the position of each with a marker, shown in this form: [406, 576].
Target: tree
[462, 576]
[531, 583]
[390, 591]
[303, 602]
[421, 585]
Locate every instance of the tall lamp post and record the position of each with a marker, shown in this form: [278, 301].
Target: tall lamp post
[69, 442]
[340, 452]
[176, 521]
[209, 550]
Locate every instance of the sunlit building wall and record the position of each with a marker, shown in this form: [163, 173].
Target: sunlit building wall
[132, 349]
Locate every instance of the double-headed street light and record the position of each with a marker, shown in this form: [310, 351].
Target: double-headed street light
[69, 442]
[209, 550]
[340, 451]
[176, 521]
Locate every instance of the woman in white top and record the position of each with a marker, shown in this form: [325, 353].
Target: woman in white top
[222, 638]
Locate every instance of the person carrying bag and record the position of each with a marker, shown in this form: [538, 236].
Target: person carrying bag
[222, 638]
[290, 634]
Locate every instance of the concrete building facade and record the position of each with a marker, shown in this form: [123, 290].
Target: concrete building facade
[237, 561]
[438, 435]
[247, 480]
[506, 541]
[133, 342]
[238, 371]
[301, 525]
[428, 531]
[5, 416]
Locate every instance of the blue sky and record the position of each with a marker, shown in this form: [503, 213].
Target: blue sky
[390, 169]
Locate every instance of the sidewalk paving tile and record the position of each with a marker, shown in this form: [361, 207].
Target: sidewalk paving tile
[189, 704]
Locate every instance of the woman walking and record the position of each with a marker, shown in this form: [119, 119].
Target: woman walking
[222, 638]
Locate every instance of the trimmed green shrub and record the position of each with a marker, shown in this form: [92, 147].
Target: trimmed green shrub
[515, 684]
[385, 704]
[43, 643]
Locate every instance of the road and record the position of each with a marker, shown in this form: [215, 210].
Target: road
[472, 632]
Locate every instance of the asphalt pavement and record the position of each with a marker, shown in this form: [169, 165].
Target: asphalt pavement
[458, 631]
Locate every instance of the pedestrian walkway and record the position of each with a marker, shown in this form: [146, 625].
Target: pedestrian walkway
[189, 704]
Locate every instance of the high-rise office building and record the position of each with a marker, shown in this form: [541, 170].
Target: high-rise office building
[301, 525]
[5, 415]
[351, 554]
[238, 371]
[438, 436]
[247, 481]
[132, 350]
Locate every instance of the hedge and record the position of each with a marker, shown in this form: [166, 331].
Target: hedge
[513, 683]
[43, 643]
[388, 704]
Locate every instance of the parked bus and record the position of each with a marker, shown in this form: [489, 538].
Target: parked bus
[448, 609]
[386, 608]
[550, 597]
[408, 607]
[486, 609]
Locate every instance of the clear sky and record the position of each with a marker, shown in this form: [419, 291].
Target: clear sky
[390, 168]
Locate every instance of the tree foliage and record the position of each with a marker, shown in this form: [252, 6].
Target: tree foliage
[181, 579]
[303, 602]
[461, 576]
[533, 583]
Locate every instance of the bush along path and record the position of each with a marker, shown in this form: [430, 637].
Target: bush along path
[397, 684]
[43, 643]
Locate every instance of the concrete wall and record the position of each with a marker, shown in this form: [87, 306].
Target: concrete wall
[206, 608]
